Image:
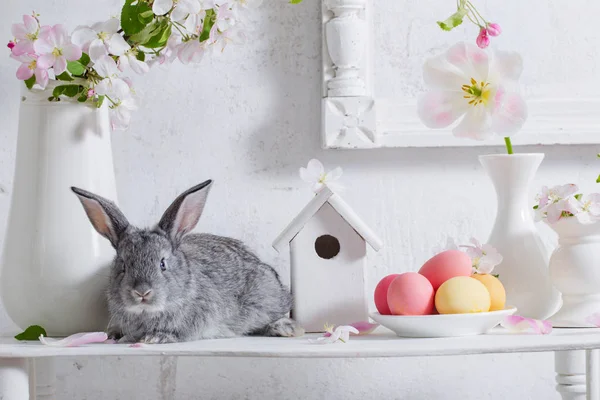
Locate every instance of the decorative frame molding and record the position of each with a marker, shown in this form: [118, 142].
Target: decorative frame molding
[354, 118]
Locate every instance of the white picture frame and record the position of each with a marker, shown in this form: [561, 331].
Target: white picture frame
[353, 117]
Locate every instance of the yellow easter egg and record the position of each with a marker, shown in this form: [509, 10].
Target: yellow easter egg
[462, 295]
[496, 289]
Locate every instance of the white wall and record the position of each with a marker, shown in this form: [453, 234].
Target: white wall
[248, 120]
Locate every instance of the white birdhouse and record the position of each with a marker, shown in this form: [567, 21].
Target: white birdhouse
[328, 246]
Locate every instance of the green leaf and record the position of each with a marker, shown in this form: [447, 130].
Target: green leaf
[146, 16]
[82, 98]
[295, 1]
[64, 76]
[130, 16]
[146, 34]
[536, 207]
[578, 196]
[99, 101]
[209, 21]
[160, 36]
[454, 20]
[598, 179]
[76, 68]
[141, 56]
[67, 90]
[31, 333]
[30, 82]
[84, 60]
[496, 275]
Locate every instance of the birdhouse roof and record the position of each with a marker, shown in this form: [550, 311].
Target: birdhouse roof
[326, 195]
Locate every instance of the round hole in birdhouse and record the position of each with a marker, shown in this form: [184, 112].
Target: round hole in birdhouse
[327, 247]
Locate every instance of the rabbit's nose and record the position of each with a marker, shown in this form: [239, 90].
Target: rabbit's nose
[143, 293]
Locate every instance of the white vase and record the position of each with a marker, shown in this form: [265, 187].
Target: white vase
[575, 273]
[524, 269]
[54, 265]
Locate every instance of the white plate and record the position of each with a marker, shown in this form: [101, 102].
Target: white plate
[446, 325]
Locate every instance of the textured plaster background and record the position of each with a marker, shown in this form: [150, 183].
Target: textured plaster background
[251, 117]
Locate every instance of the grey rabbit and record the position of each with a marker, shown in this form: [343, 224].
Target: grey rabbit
[170, 285]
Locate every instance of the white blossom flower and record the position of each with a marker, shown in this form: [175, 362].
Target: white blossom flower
[122, 104]
[340, 334]
[111, 84]
[94, 40]
[484, 257]
[127, 55]
[191, 51]
[315, 174]
[552, 203]
[181, 8]
[589, 209]
[467, 82]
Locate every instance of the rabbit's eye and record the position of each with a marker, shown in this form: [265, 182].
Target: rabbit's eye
[163, 265]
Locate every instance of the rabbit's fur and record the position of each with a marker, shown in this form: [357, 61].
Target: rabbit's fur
[168, 285]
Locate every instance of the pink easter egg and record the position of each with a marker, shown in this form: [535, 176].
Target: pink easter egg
[381, 291]
[410, 293]
[448, 264]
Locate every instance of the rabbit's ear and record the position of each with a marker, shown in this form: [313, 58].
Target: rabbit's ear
[104, 215]
[183, 214]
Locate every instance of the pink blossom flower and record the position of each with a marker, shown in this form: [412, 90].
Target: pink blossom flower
[11, 45]
[55, 49]
[26, 34]
[90, 93]
[29, 67]
[483, 40]
[493, 29]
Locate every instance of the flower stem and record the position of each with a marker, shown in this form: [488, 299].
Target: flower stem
[508, 143]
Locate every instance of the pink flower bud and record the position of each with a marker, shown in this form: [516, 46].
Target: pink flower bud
[483, 40]
[90, 93]
[494, 29]
[11, 45]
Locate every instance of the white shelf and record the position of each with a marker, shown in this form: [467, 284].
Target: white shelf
[380, 344]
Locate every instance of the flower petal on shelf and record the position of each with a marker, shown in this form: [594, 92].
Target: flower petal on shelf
[594, 319]
[516, 323]
[363, 327]
[477, 124]
[440, 108]
[78, 339]
[510, 113]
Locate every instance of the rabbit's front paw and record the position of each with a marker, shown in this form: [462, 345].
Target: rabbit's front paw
[127, 339]
[159, 337]
[114, 333]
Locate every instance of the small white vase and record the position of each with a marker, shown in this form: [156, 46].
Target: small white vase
[524, 269]
[575, 273]
[54, 265]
